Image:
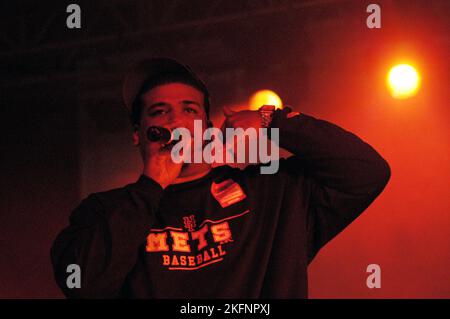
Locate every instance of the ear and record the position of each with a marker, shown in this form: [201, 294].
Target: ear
[136, 140]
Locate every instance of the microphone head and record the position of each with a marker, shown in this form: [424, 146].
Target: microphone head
[159, 134]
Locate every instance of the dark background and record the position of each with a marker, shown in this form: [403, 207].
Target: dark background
[66, 133]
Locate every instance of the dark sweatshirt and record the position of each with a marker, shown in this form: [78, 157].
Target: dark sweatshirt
[230, 234]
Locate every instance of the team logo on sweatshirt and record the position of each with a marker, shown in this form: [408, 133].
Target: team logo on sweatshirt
[192, 247]
[189, 222]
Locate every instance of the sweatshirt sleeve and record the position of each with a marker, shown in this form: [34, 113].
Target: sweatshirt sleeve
[103, 239]
[343, 174]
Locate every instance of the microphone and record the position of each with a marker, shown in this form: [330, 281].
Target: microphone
[159, 134]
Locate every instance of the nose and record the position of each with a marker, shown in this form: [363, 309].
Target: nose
[175, 119]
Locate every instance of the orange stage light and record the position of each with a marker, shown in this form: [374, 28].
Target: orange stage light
[265, 97]
[403, 81]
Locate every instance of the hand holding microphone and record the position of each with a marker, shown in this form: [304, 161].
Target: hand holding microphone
[158, 163]
[160, 134]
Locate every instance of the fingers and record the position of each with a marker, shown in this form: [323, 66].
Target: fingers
[230, 116]
[244, 119]
[227, 111]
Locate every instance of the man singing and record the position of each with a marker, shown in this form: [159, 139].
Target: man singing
[187, 230]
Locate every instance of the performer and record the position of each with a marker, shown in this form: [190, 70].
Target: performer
[188, 230]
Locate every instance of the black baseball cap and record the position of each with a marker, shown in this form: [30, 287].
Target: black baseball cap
[151, 72]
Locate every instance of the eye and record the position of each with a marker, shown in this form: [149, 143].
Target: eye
[156, 112]
[190, 110]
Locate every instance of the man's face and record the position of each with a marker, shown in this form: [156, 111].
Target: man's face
[171, 106]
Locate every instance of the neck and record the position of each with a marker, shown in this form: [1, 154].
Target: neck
[193, 171]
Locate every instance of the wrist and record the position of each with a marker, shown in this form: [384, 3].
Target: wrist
[266, 114]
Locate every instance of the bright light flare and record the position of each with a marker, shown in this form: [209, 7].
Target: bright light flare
[403, 81]
[265, 97]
